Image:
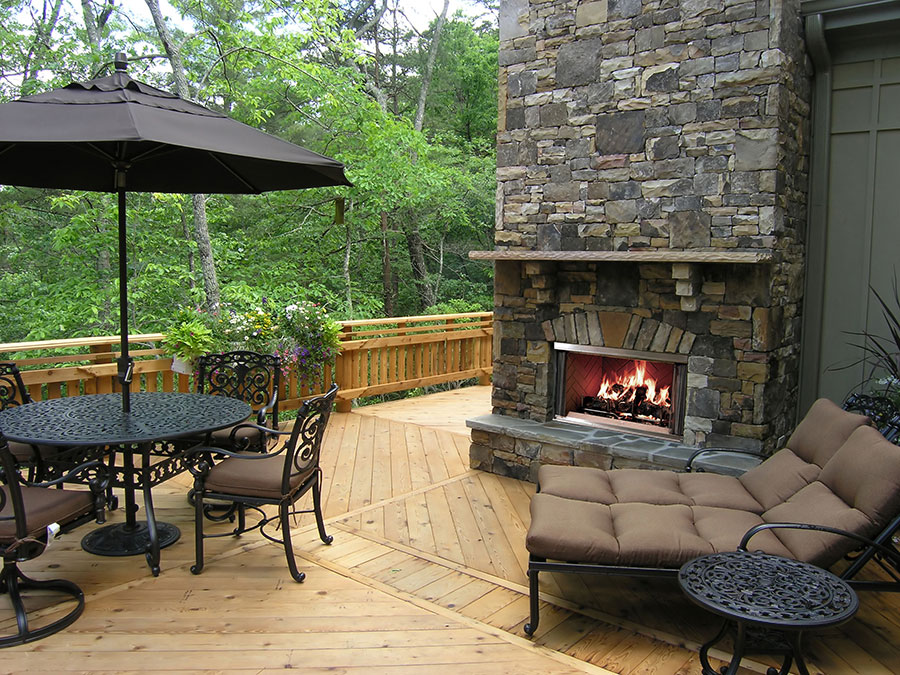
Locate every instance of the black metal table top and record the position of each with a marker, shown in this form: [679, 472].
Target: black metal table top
[97, 419]
[768, 590]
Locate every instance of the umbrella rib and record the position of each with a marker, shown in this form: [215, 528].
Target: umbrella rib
[233, 172]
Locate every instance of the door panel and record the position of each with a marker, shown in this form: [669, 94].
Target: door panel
[862, 241]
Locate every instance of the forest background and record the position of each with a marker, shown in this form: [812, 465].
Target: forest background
[411, 110]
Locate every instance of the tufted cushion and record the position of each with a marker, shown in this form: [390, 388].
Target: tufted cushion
[639, 535]
[865, 474]
[44, 506]
[623, 486]
[252, 477]
[823, 430]
[818, 505]
[576, 482]
[778, 478]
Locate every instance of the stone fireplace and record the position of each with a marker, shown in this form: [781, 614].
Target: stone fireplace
[652, 159]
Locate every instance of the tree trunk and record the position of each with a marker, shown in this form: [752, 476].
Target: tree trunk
[204, 248]
[339, 220]
[386, 272]
[419, 270]
[201, 231]
[429, 67]
[41, 44]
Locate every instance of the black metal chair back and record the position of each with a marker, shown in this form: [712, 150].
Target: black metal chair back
[12, 389]
[304, 445]
[249, 376]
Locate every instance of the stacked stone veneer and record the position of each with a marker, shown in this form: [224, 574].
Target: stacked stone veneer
[654, 123]
[668, 125]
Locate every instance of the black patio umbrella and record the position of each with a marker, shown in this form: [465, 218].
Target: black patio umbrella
[115, 134]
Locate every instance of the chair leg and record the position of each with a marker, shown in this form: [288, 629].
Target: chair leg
[284, 514]
[197, 567]
[12, 581]
[317, 508]
[535, 601]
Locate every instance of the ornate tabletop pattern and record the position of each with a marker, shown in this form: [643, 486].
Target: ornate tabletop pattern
[98, 419]
[768, 590]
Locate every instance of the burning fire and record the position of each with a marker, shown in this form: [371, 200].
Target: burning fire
[636, 386]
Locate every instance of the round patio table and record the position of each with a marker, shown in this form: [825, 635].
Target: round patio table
[98, 420]
[771, 601]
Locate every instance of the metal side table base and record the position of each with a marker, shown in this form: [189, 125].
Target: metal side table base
[768, 602]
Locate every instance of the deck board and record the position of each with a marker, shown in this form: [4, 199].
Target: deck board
[426, 573]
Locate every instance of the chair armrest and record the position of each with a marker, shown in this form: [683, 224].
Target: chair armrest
[263, 413]
[232, 437]
[99, 468]
[689, 465]
[888, 552]
[202, 451]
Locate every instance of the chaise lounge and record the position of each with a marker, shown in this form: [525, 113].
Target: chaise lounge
[836, 471]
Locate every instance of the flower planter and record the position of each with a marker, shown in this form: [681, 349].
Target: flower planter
[180, 365]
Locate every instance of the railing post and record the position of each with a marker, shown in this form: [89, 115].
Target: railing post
[342, 367]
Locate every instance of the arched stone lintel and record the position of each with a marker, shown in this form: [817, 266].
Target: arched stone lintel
[619, 330]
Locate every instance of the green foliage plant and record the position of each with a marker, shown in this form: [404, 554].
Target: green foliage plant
[189, 336]
[884, 352]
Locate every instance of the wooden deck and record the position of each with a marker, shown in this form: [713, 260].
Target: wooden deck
[426, 573]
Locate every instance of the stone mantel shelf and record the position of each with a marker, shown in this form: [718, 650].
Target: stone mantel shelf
[760, 256]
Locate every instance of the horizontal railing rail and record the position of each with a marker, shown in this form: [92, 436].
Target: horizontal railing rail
[377, 356]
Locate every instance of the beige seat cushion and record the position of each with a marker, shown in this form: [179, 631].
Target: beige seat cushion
[823, 430]
[858, 491]
[623, 486]
[45, 506]
[252, 477]
[24, 452]
[639, 535]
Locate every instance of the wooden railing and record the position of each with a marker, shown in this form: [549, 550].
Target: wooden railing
[377, 356]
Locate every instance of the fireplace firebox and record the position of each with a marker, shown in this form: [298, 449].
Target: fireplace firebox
[620, 388]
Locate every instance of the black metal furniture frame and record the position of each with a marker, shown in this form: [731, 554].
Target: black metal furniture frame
[769, 601]
[881, 550]
[249, 376]
[24, 547]
[96, 426]
[301, 455]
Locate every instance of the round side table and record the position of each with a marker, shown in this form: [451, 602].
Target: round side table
[770, 601]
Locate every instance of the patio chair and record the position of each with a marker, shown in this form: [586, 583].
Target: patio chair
[31, 514]
[14, 393]
[251, 377]
[254, 480]
[836, 471]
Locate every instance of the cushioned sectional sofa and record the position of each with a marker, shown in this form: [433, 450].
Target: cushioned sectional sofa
[835, 471]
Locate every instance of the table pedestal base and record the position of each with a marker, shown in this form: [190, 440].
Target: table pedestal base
[121, 539]
[756, 640]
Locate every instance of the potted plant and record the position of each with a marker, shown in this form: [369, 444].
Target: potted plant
[186, 339]
[309, 340]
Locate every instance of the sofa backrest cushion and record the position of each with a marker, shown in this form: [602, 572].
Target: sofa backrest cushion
[778, 478]
[817, 437]
[823, 430]
[865, 474]
[858, 491]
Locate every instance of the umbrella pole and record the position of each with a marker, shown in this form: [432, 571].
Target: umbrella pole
[125, 362]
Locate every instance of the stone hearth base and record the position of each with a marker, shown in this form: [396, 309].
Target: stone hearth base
[516, 447]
